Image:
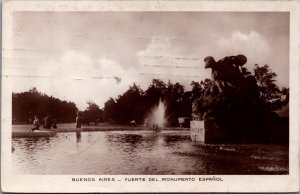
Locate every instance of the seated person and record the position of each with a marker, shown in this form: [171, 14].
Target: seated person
[36, 124]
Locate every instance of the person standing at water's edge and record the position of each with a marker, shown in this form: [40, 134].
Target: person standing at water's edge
[78, 120]
[47, 122]
[36, 124]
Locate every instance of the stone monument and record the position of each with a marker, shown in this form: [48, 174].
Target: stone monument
[231, 109]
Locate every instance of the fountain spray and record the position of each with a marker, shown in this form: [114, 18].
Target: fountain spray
[157, 117]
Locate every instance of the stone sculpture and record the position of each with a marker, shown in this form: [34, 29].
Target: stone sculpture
[233, 101]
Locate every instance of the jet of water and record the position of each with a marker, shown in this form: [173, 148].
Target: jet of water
[159, 115]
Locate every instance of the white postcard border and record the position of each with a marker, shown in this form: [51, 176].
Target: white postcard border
[231, 183]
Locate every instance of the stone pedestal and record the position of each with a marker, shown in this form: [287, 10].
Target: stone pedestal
[207, 132]
[198, 131]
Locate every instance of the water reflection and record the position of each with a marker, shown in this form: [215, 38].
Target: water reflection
[169, 139]
[78, 136]
[132, 139]
[32, 144]
[142, 152]
[89, 137]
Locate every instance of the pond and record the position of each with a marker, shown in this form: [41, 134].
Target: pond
[142, 152]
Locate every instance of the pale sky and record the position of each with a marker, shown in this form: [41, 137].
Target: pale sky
[75, 56]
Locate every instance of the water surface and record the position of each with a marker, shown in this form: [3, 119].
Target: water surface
[142, 152]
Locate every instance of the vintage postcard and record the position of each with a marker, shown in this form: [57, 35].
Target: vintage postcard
[150, 96]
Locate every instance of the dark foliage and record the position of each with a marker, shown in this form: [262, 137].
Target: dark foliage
[93, 114]
[26, 105]
[266, 80]
[135, 104]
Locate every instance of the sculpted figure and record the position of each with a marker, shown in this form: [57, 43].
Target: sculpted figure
[227, 71]
[201, 106]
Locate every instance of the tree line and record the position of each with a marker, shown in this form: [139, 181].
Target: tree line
[26, 105]
[135, 104]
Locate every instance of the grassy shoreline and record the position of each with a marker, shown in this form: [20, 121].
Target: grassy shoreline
[67, 127]
[118, 128]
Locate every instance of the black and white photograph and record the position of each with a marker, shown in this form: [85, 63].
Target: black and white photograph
[140, 93]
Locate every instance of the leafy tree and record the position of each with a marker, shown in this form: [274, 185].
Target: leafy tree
[196, 89]
[286, 93]
[129, 105]
[135, 104]
[159, 84]
[93, 112]
[156, 91]
[174, 101]
[110, 110]
[266, 80]
[26, 105]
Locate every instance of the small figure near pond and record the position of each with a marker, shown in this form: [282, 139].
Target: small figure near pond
[49, 122]
[78, 120]
[36, 124]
